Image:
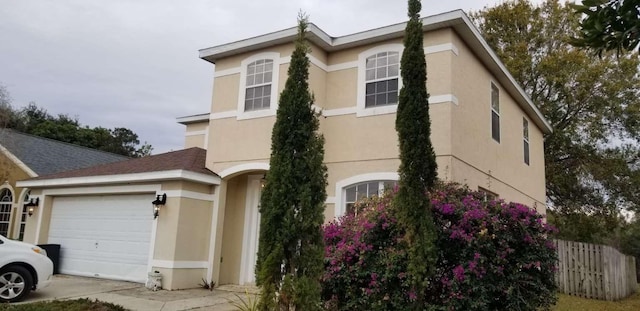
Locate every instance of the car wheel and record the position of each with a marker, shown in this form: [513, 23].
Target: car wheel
[15, 283]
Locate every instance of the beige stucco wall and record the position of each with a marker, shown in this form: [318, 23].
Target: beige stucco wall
[473, 145]
[246, 141]
[174, 279]
[195, 135]
[233, 231]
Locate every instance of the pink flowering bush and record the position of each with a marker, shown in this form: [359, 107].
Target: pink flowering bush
[492, 256]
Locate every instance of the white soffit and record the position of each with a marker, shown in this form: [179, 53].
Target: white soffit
[122, 178]
[193, 119]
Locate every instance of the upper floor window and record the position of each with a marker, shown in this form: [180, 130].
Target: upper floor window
[259, 76]
[6, 204]
[525, 139]
[258, 85]
[495, 112]
[366, 189]
[379, 80]
[382, 71]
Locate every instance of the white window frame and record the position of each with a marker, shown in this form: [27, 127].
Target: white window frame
[361, 110]
[273, 105]
[340, 206]
[491, 86]
[21, 210]
[526, 141]
[10, 204]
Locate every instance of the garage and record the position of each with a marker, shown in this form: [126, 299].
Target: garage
[106, 236]
[103, 218]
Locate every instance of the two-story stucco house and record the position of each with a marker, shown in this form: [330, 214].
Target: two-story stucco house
[486, 133]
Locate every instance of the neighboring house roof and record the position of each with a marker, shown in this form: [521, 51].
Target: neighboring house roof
[196, 118]
[44, 156]
[457, 20]
[182, 164]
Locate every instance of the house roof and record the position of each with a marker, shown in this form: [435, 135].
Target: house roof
[42, 156]
[457, 20]
[186, 164]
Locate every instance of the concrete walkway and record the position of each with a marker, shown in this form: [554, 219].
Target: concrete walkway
[135, 296]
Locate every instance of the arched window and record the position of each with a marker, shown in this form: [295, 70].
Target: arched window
[382, 76]
[258, 85]
[23, 216]
[258, 92]
[366, 189]
[6, 204]
[379, 80]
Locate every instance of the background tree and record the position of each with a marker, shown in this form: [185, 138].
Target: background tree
[291, 249]
[37, 121]
[5, 107]
[592, 157]
[599, 227]
[5, 116]
[417, 158]
[609, 25]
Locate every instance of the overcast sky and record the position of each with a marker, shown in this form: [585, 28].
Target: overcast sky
[134, 64]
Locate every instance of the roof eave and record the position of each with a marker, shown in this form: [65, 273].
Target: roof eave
[120, 179]
[17, 162]
[322, 39]
[193, 119]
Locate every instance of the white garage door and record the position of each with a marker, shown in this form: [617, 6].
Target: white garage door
[103, 236]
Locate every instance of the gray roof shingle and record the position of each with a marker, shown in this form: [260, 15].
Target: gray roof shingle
[192, 159]
[47, 156]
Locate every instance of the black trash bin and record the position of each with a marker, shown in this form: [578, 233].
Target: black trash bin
[53, 252]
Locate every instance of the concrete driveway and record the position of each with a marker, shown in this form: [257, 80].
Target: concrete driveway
[135, 296]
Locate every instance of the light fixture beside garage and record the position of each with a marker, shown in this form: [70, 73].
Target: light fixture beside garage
[31, 205]
[161, 200]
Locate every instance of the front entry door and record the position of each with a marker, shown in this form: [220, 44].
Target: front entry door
[251, 230]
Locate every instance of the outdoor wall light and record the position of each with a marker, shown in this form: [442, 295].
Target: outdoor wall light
[263, 180]
[161, 200]
[31, 205]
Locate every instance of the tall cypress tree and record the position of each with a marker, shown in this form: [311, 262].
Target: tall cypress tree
[291, 249]
[417, 158]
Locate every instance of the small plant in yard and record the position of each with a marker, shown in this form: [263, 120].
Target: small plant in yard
[248, 304]
[64, 305]
[492, 255]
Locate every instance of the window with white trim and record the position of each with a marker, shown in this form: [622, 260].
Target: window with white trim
[6, 204]
[23, 217]
[382, 77]
[365, 189]
[258, 85]
[488, 194]
[258, 88]
[379, 80]
[495, 112]
[525, 139]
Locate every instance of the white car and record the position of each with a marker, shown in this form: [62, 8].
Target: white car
[23, 267]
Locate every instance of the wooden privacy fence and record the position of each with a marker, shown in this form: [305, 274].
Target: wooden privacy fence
[594, 271]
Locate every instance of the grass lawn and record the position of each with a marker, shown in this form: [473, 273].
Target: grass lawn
[63, 305]
[571, 303]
